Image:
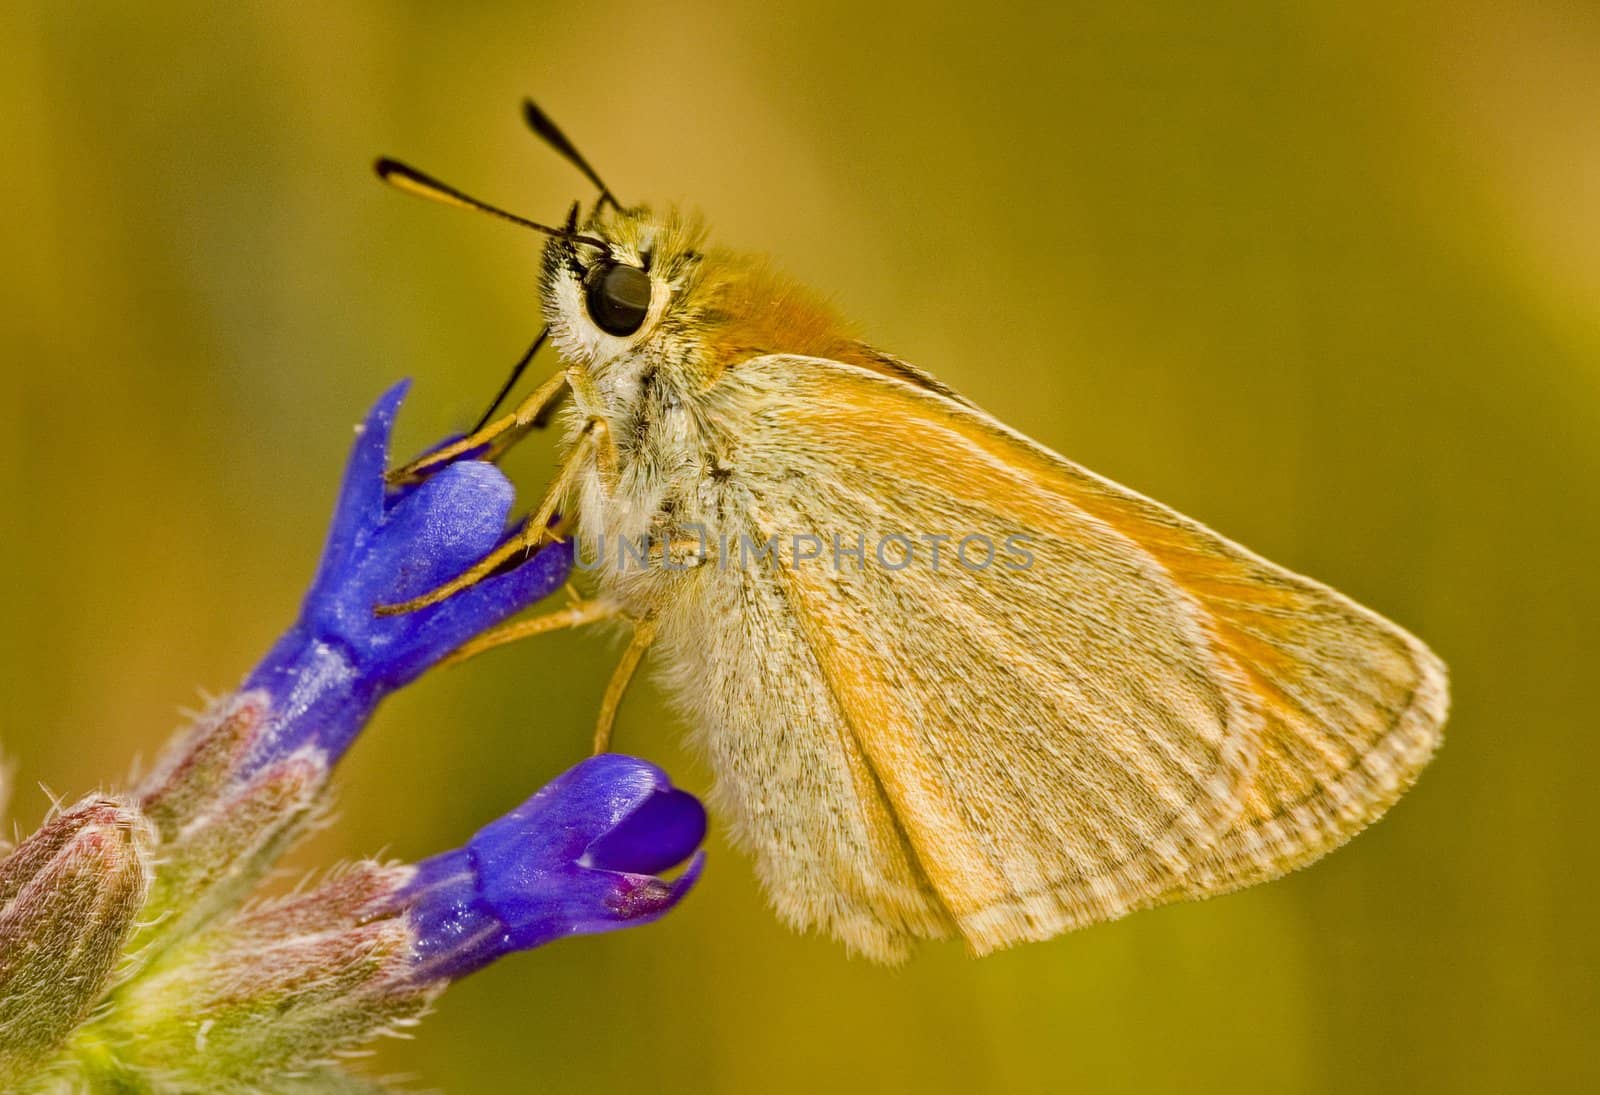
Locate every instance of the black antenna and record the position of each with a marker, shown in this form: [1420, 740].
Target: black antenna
[415, 182]
[551, 134]
[511, 381]
[522, 365]
[405, 177]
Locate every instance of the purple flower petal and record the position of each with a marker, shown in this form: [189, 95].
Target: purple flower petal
[651, 838]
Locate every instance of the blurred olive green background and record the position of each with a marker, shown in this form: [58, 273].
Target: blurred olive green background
[1324, 277]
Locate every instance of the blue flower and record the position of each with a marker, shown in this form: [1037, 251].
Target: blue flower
[128, 943]
[329, 671]
[584, 855]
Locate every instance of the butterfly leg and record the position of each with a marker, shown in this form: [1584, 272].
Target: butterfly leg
[494, 438]
[576, 613]
[644, 632]
[594, 440]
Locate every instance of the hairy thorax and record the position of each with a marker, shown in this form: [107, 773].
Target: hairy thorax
[655, 530]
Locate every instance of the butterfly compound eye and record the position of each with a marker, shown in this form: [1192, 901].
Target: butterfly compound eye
[619, 298]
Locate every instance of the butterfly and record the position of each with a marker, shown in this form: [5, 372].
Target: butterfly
[1089, 704]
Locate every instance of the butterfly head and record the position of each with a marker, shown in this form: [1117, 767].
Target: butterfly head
[637, 288]
[619, 283]
[633, 290]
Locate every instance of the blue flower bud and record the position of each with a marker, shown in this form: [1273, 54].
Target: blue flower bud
[238, 788]
[583, 855]
[287, 984]
[329, 671]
